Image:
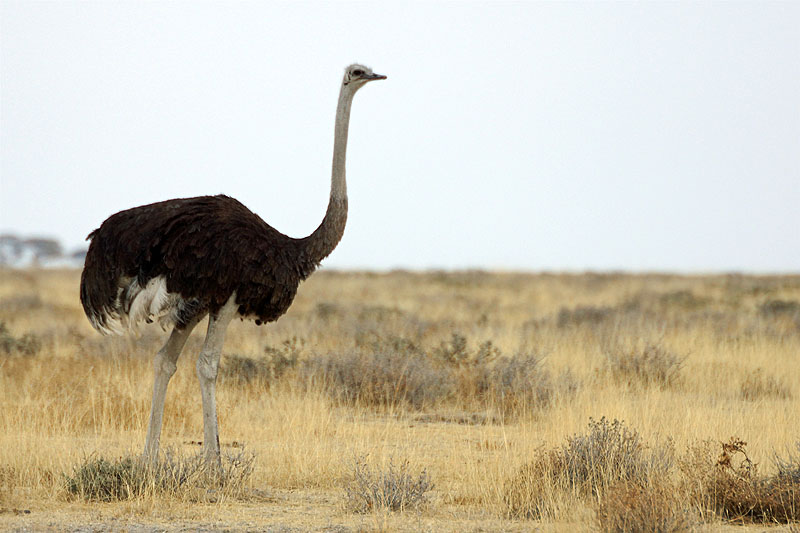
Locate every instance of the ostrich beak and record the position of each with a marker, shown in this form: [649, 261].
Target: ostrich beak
[371, 77]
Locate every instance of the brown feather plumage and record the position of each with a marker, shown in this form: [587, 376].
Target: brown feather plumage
[206, 248]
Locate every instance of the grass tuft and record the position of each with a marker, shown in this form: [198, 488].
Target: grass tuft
[131, 477]
[648, 365]
[518, 383]
[757, 385]
[394, 488]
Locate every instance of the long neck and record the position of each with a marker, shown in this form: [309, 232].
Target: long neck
[321, 243]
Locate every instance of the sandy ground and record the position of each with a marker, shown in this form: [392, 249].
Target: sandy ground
[285, 512]
[279, 511]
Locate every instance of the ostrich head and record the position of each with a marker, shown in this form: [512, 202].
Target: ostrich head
[356, 76]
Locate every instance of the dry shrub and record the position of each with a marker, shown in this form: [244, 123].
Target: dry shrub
[729, 486]
[647, 365]
[538, 488]
[584, 316]
[27, 345]
[780, 308]
[327, 311]
[456, 352]
[372, 340]
[586, 465]
[386, 378]
[683, 300]
[395, 488]
[609, 453]
[8, 481]
[784, 487]
[789, 467]
[757, 386]
[267, 369]
[511, 384]
[20, 303]
[655, 508]
[395, 371]
[379, 314]
[100, 479]
[518, 383]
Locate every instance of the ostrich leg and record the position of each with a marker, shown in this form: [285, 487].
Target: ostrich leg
[164, 367]
[207, 367]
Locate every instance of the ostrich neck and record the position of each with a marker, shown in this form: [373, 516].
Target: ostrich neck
[321, 243]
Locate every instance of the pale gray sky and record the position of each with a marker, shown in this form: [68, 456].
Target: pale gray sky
[639, 136]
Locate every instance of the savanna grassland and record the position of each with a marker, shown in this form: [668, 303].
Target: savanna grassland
[465, 401]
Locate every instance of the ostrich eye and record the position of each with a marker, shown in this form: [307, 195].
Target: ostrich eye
[358, 72]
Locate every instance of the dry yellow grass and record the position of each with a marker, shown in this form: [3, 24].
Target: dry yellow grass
[737, 339]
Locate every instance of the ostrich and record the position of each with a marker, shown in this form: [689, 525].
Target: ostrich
[179, 260]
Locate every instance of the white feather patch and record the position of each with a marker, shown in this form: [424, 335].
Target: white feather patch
[142, 300]
[135, 304]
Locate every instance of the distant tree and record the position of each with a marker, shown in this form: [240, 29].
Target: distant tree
[79, 255]
[10, 249]
[43, 248]
[17, 251]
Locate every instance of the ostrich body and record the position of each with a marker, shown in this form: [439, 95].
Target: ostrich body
[179, 260]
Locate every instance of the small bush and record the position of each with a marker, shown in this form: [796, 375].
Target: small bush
[633, 509]
[387, 378]
[275, 363]
[784, 487]
[456, 353]
[776, 308]
[651, 365]
[379, 314]
[100, 479]
[20, 303]
[392, 489]
[789, 468]
[517, 383]
[512, 384]
[396, 371]
[757, 385]
[609, 453]
[376, 342]
[729, 486]
[583, 316]
[327, 311]
[588, 464]
[683, 300]
[27, 345]
[531, 491]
